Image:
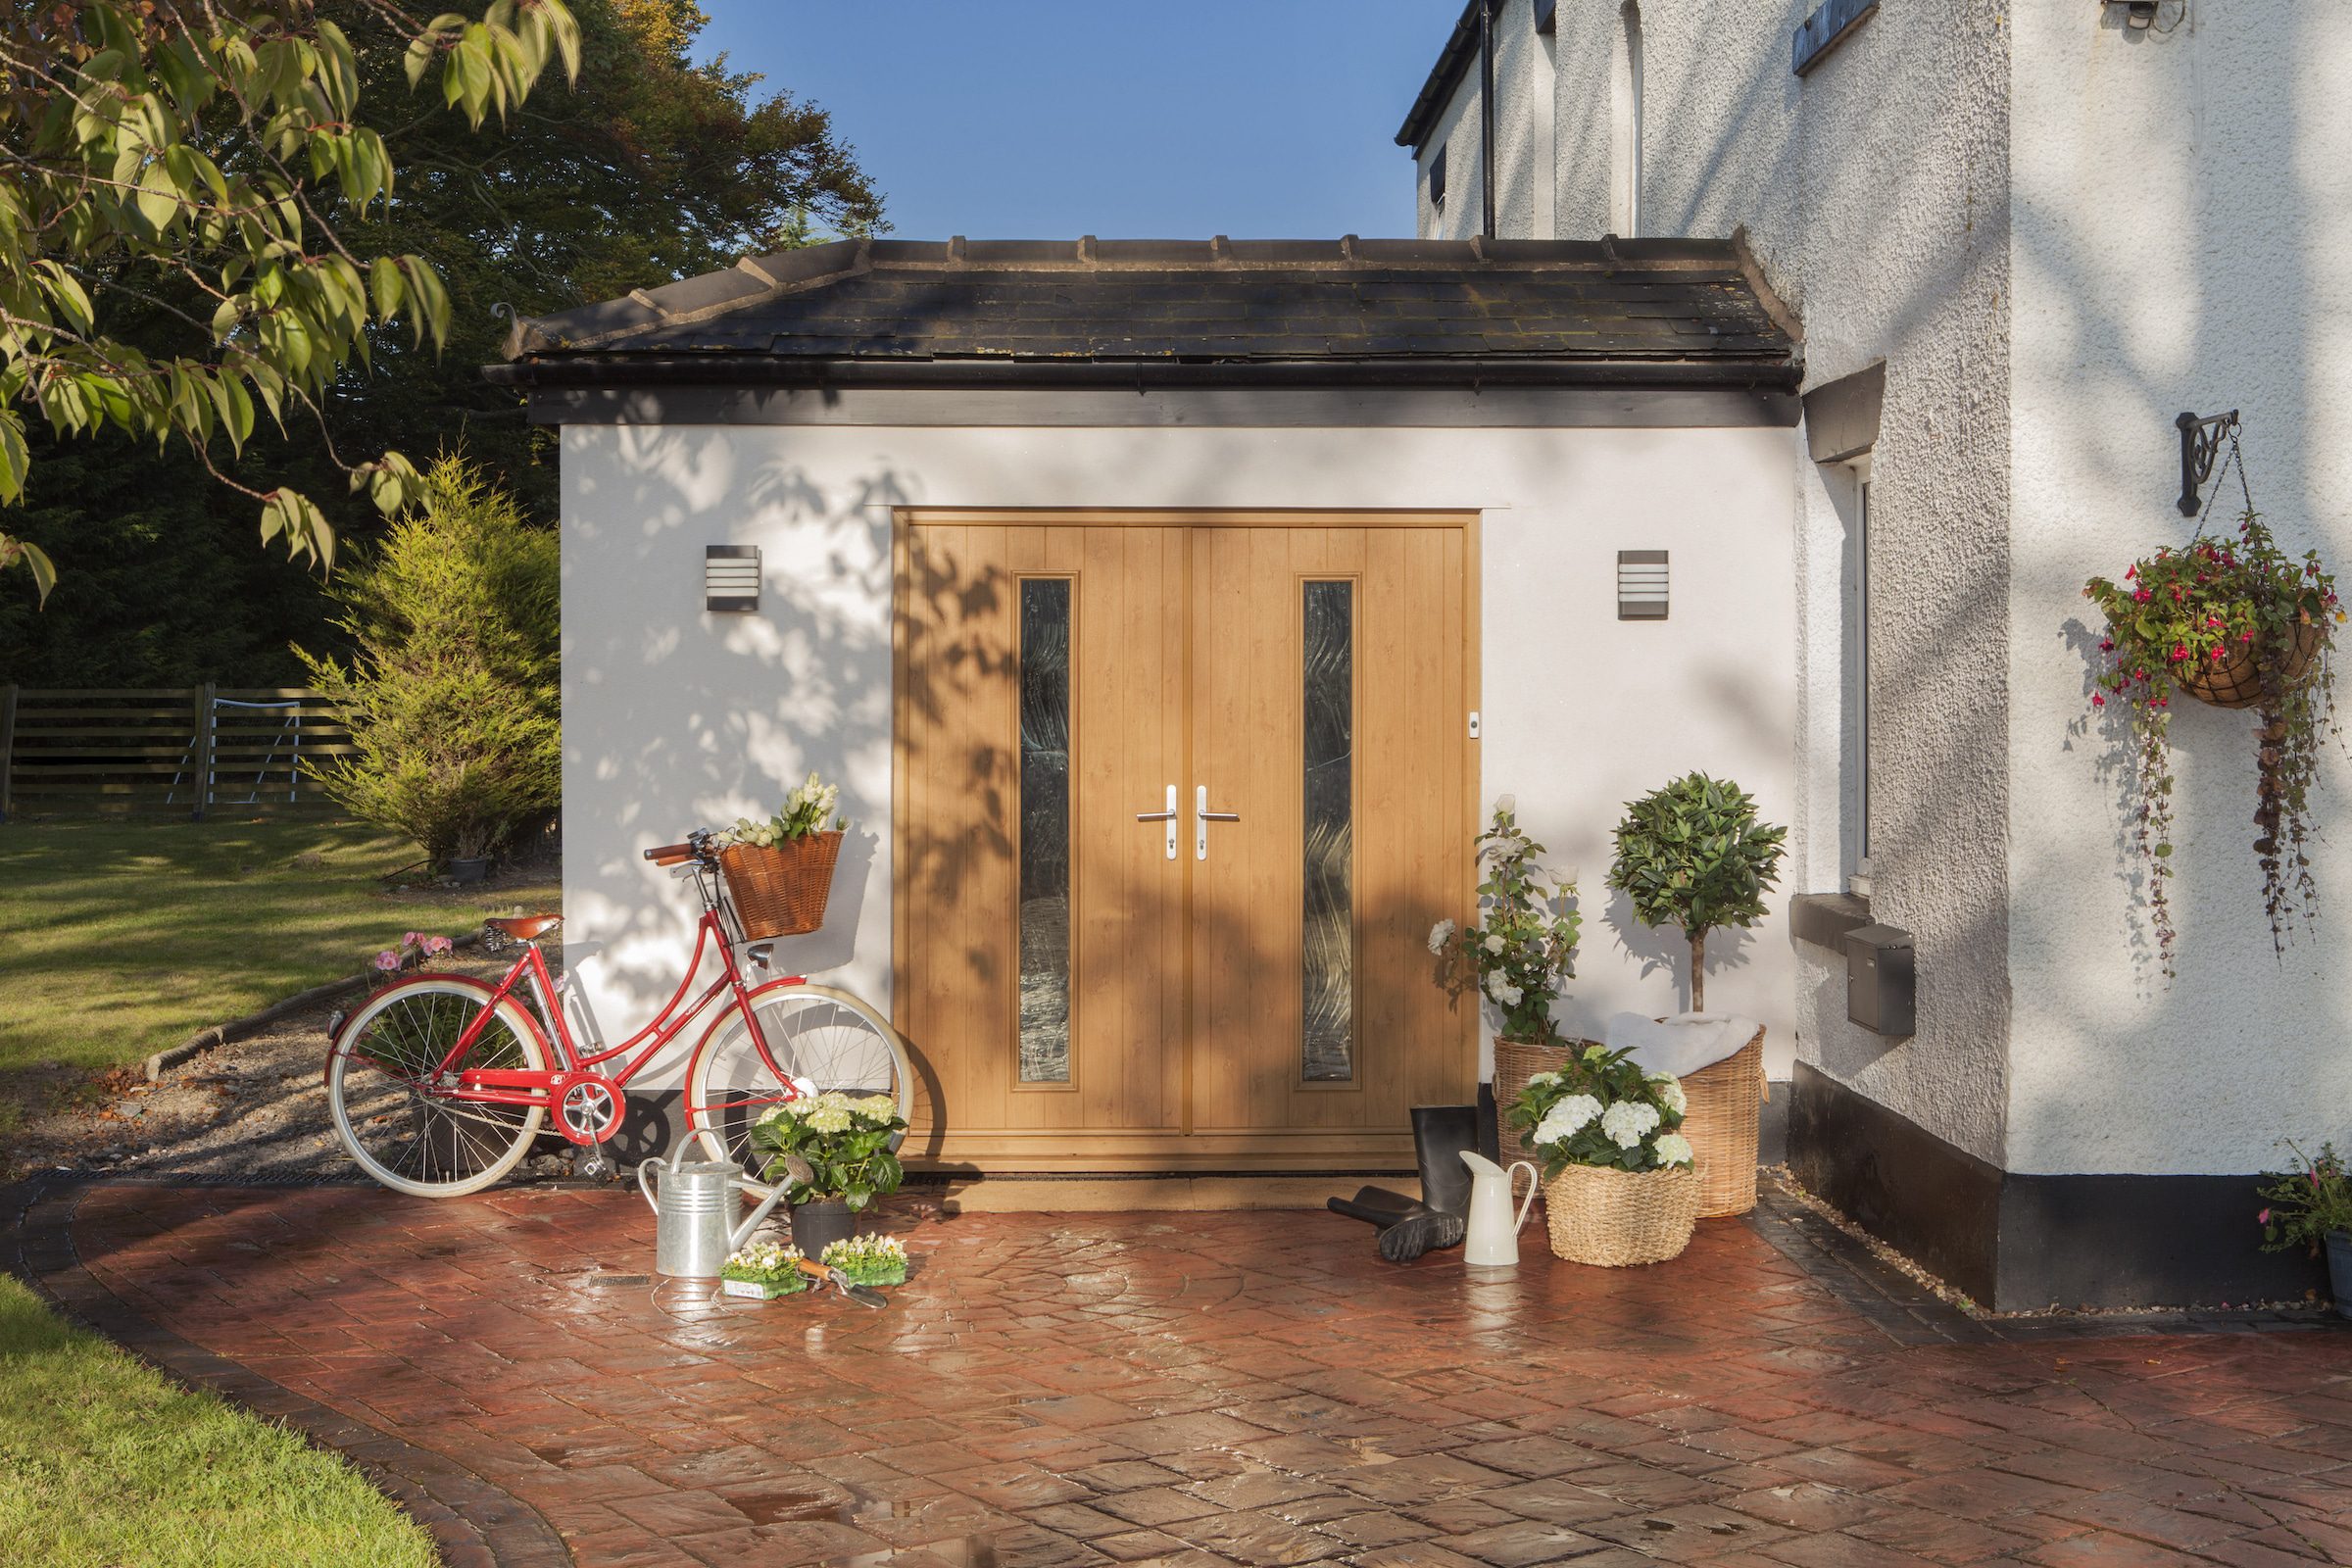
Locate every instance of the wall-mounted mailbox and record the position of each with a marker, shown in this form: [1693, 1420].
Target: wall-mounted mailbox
[1879, 983]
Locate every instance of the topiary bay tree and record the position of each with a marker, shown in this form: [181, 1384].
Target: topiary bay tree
[1696, 855]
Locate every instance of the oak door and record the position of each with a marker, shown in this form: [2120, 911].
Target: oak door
[1178, 802]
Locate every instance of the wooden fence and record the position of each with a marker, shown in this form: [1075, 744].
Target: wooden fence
[187, 752]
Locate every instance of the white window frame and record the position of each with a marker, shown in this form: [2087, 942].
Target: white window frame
[1854, 746]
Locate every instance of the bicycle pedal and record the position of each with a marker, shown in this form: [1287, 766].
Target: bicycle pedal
[593, 1164]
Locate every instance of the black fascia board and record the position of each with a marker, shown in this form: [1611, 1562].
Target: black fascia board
[1743, 373]
[1455, 59]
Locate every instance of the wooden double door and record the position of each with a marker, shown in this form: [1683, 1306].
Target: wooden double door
[1179, 798]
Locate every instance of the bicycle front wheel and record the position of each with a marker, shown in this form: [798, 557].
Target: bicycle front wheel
[390, 1096]
[816, 1037]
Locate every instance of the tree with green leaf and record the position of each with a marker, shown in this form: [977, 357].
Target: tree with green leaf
[176, 162]
[452, 696]
[1696, 855]
[654, 166]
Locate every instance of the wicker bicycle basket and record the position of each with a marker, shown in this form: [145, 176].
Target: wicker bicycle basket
[780, 891]
[1617, 1218]
[1721, 1118]
[2237, 681]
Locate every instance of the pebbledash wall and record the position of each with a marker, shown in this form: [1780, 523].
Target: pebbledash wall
[675, 718]
[2057, 232]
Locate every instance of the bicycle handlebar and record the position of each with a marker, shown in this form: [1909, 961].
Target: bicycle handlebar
[670, 853]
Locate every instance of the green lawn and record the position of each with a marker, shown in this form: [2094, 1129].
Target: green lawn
[102, 1462]
[120, 938]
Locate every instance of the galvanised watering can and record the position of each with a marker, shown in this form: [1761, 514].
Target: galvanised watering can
[691, 1203]
[1493, 1235]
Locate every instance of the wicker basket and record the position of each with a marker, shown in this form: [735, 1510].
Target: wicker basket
[2237, 681]
[1616, 1219]
[1515, 1062]
[780, 891]
[1720, 1119]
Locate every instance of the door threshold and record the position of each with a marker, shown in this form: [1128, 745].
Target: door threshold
[1111, 1192]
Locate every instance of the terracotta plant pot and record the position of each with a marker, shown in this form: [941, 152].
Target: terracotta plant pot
[820, 1223]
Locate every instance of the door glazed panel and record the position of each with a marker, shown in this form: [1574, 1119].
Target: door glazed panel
[1074, 995]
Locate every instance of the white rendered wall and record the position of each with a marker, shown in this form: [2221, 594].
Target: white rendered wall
[2184, 207]
[1874, 193]
[676, 719]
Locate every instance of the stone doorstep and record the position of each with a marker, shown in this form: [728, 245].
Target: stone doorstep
[1041, 1194]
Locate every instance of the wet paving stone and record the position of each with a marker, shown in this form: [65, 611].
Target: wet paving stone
[1078, 1390]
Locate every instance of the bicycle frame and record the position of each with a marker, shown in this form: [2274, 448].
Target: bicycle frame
[528, 1087]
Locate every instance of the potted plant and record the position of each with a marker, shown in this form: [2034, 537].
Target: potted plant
[763, 1271]
[2311, 1207]
[1694, 855]
[1620, 1183]
[1520, 954]
[2235, 624]
[779, 871]
[833, 1152]
[870, 1259]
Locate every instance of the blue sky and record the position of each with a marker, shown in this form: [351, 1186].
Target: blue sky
[1051, 119]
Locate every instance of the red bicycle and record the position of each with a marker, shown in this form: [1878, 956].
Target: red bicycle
[440, 1083]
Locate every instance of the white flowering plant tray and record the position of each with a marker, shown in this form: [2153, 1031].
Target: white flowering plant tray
[758, 1290]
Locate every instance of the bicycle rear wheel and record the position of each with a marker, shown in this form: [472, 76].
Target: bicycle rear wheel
[391, 1104]
[820, 1037]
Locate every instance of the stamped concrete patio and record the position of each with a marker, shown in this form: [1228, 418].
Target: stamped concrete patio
[1204, 1389]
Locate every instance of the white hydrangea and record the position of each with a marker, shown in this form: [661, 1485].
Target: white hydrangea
[1494, 941]
[1628, 1121]
[1499, 987]
[1673, 1148]
[1670, 1090]
[1543, 1080]
[1439, 935]
[1566, 1119]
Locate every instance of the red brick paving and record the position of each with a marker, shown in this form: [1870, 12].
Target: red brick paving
[1253, 1387]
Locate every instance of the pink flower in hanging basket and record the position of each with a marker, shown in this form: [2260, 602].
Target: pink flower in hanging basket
[387, 960]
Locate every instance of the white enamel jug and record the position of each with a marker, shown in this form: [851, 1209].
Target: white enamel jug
[1494, 1234]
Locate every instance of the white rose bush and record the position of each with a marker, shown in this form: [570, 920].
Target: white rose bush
[1521, 953]
[1602, 1109]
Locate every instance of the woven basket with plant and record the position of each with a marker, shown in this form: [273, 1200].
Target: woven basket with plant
[780, 871]
[1620, 1181]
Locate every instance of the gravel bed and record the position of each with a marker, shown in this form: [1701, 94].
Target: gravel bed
[252, 1109]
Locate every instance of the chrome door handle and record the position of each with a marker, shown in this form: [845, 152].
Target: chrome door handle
[1168, 817]
[1201, 817]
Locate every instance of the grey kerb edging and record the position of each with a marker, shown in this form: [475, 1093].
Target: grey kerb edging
[220, 1034]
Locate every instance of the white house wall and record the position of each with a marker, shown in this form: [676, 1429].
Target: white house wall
[676, 719]
[2184, 207]
[1874, 194]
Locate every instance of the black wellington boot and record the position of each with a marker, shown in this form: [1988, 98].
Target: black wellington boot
[1440, 1135]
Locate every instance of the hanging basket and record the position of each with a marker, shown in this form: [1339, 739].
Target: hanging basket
[780, 891]
[1724, 1110]
[1515, 1062]
[2237, 681]
[1619, 1218]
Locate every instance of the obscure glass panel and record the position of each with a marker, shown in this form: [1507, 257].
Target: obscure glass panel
[1044, 915]
[1328, 1049]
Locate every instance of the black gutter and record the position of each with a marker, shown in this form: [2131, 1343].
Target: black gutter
[1438, 89]
[1141, 376]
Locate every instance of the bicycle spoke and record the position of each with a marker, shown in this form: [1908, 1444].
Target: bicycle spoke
[401, 1127]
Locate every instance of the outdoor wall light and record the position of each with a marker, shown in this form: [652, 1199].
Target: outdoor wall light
[1641, 585]
[731, 578]
[2138, 13]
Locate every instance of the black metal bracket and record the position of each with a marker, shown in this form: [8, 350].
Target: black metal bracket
[2200, 445]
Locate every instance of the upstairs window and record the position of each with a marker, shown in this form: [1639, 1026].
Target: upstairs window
[1437, 178]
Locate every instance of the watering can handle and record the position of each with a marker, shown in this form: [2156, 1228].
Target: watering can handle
[644, 1169]
[1535, 1179]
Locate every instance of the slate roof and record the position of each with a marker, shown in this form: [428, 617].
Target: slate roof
[1232, 304]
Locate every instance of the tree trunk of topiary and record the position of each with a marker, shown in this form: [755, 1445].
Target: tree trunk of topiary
[1698, 971]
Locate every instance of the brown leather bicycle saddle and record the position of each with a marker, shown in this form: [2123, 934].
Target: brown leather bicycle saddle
[524, 927]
